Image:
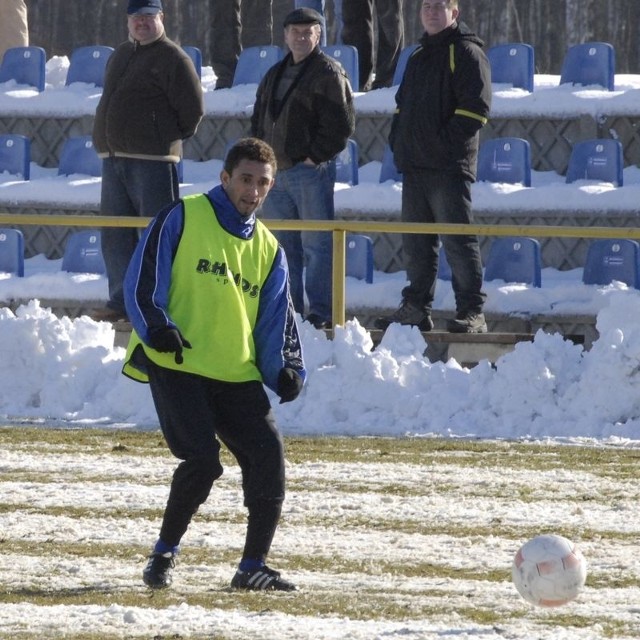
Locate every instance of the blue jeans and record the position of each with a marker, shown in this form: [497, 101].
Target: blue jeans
[432, 196]
[131, 188]
[305, 192]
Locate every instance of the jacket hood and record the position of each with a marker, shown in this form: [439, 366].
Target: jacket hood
[455, 33]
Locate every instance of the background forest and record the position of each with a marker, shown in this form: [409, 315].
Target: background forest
[549, 25]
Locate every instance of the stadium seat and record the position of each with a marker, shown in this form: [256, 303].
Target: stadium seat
[25, 65]
[347, 56]
[590, 63]
[512, 64]
[83, 253]
[359, 257]
[388, 170]
[196, 57]
[254, 62]
[403, 58]
[79, 156]
[505, 160]
[87, 64]
[514, 260]
[608, 260]
[347, 164]
[12, 252]
[599, 159]
[15, 154]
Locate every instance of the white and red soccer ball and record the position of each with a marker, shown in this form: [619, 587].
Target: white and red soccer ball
[549, 571]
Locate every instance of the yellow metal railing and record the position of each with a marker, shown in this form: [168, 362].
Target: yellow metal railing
[339, 229]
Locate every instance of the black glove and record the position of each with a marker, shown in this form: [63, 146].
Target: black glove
[289, 384]
[167, 340]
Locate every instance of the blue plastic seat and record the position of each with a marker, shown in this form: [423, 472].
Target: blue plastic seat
[254, 62]
[347, 164]
[87, 64]
[514, 260]
[359, 257]
[347, 56]
[388, 170]
[590, 63]
[609, 259]
[512, 64]
[505, 160]
[25, 65]
[15, 154]
[403, 58]
[78, 155]
[83, 253]
[196, 57]
[599, 159]
[12, 252]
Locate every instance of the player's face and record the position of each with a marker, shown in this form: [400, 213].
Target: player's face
[145, 27]
[437, 15]
[301, 39]
[248, 185]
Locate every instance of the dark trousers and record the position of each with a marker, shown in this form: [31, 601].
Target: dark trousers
[131, 188]
[237, 24]
[358, 30]
[432, 196]
[195, 414]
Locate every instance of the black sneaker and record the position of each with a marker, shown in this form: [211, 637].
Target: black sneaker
[467, 322]
[158, 572]
[317, 321]
[407, 314]
[263, 579]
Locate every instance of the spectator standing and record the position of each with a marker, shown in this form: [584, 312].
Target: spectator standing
[14, 26]
[443, 101]
[208, 297]
[237, 24]
[304, 110]
[152, 101]
[358, 30]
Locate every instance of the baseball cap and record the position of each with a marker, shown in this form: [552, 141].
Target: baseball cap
[144, 6]
[304, 15]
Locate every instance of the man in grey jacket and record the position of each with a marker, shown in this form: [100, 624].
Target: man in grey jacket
[152, 101]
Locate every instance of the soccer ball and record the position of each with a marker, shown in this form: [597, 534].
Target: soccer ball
[549, 571]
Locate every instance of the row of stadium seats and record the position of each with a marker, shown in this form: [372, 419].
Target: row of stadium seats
[83, 254]
[26, 65]
[509, 160]
[518, 259]
[511, 259]
[591, 63]
[499, 160]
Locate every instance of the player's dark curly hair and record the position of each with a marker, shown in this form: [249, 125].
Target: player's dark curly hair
[250, 149]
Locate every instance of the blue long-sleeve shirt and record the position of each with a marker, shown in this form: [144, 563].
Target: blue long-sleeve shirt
[148, 278]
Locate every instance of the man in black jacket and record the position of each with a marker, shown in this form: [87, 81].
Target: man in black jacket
[304, 110]
[442, 103]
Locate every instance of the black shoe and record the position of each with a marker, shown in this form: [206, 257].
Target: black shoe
[158, 572]
[407, 314]
[467, 322]
[263, 579]
[317, 321]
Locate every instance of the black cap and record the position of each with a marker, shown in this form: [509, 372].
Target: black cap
[304, 15]
[144, 6]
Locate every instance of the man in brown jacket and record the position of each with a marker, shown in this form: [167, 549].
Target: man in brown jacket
[151, 102]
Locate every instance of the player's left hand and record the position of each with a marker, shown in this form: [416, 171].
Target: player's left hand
[289, 384]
